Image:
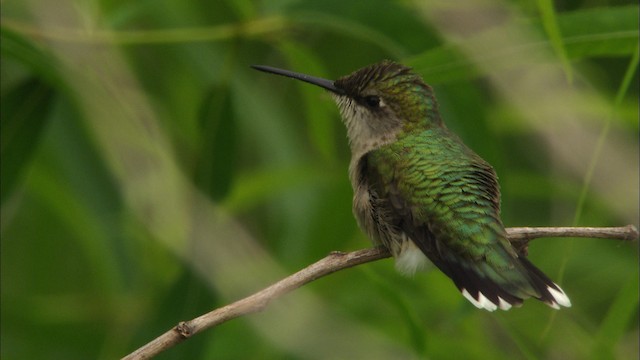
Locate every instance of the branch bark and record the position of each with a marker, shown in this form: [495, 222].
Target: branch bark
[337, 261]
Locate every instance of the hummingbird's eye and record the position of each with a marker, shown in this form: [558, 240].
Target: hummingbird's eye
[372, 101]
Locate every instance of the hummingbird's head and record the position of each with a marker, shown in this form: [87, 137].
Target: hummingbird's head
[378, 102]
[383, 100]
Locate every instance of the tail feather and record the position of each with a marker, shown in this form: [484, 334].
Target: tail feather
[476, 286]
[490, 293]
[486, 294]
[483, 292]
[550, 293]
[500, 281]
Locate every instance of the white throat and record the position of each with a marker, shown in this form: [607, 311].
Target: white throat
[362, 136]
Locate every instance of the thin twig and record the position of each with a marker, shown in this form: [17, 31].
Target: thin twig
[337, 261]
[628, 232]
[520, 236]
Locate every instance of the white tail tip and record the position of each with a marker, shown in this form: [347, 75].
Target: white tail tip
[560, 298]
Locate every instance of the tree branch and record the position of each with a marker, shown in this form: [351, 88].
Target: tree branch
[520, 236]
[337, 261]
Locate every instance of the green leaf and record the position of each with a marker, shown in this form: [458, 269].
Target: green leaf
[215, 167]
[24, 111]
[259, 185]
[585, 33]
[347, 27]
[621, 313]
[600, 31]
[15, 46]
[550, 24]
[319, 114]
[622, 91]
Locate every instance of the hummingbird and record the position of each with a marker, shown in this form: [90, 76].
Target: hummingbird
[420, 192]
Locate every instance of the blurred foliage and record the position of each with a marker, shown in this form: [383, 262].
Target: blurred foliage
[85, 276]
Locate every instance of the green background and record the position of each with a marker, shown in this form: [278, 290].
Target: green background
[149, 175]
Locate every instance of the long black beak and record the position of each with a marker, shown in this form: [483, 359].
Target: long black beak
[323, 83]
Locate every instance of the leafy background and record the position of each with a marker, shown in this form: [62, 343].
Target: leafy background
[148, 175]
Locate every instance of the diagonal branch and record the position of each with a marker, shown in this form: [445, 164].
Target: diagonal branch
[337, 261]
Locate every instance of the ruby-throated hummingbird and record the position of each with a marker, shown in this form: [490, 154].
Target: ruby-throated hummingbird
[422, 194]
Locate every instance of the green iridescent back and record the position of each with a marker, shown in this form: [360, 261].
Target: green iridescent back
[450, 192]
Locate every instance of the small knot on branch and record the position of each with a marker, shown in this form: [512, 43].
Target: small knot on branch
[184, 329]
[337, 253]
[631, 233]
